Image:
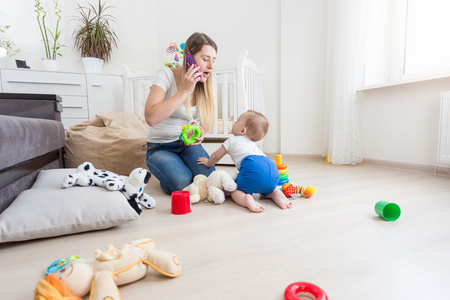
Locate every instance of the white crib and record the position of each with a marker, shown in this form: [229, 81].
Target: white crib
[237, 89]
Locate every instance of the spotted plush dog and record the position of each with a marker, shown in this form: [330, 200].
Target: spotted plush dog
[132, 187]
[87, 175]
[133, 190]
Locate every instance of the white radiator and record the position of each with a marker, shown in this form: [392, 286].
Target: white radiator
[444, 130]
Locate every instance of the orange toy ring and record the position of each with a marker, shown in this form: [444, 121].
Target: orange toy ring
[297, 287]
[282, 166]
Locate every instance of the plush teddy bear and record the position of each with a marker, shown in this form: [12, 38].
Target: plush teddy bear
[198, 189]
[219, 182]
[211, 188]
[110, 269]
[132, 186]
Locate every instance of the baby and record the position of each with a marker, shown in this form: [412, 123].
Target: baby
[257, 173]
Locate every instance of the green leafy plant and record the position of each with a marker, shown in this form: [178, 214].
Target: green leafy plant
[6, 43]
[94, 37]
[50, 38]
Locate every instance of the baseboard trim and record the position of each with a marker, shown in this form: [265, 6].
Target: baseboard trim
[432, 170]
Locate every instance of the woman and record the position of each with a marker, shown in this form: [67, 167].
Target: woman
[177, 97]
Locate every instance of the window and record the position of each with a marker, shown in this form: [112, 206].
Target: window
[407, 38]
[427, 42]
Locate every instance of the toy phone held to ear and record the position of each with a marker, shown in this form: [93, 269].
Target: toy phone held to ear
[189, 133]
[191, 62]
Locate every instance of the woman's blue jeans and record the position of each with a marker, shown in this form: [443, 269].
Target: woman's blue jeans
[175, 164]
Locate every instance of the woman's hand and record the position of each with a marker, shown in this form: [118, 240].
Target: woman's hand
[200, 139]
[190, 79]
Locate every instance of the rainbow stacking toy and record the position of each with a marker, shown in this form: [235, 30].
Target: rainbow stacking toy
[282, 169]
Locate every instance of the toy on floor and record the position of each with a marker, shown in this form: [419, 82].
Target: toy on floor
[282, 169]
[387, 210]
[190, 132]
[51, 288]
[198, 189]
[296, 288]
[297, 191]
[60, 263]
[181, 203]
[132, 186]
[218, 183]
[213, 187]
[108, 270]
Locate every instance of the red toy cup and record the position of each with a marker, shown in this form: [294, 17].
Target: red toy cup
[181, 202]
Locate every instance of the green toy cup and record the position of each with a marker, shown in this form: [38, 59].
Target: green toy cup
[387, 210]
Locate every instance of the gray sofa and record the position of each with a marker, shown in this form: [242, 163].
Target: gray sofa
[31, 139]
[32, 203]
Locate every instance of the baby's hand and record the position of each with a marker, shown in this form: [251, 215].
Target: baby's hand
[202, 161]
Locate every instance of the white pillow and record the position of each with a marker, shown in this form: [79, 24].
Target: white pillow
[46, 210]
[53, 177]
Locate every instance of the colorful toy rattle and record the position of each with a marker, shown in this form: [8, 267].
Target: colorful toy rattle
[189, 133]
[289, 190]
[295, 288]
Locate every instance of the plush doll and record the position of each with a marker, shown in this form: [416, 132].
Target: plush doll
[107, 271]
[132, 186]
[291, 191]
[197, 189]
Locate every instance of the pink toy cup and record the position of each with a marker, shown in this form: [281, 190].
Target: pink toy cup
[181, 202]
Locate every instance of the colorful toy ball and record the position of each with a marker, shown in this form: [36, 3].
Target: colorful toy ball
[189, 133]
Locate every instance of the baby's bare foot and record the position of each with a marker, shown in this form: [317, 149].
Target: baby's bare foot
[283, 203]
[253, 205]
[280, 199]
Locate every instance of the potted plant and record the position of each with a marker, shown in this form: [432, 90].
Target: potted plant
[94, 37]
[50, 38]
[7, 47]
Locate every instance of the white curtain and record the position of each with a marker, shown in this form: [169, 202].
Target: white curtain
[345, 50]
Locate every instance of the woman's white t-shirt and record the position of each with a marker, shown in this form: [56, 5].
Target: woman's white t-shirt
[169, 130]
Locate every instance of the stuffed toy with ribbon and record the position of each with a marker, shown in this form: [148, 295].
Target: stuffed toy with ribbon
[75, 277]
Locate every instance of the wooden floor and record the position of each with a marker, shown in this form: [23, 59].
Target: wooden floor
[333, 240]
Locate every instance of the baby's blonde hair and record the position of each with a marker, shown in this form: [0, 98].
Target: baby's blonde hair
[257, 125]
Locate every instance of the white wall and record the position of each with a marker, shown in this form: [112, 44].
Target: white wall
[397, 123]
[147, 27]
[302, 75]
[401, 123]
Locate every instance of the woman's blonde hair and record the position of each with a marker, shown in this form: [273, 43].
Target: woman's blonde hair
[203, 92]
